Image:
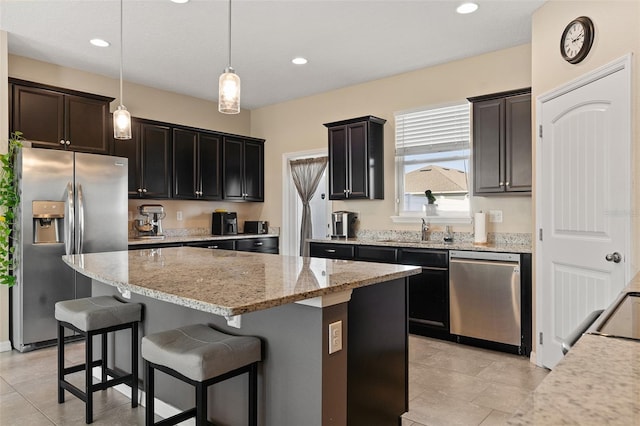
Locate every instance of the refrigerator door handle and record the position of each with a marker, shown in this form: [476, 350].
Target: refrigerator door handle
[69, 221]
[80, 230]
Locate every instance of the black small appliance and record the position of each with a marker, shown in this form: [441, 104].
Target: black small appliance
[224, 223]
[256, 227]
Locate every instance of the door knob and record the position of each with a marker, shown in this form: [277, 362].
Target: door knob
[614, 257]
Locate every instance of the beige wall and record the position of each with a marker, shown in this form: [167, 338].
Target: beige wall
[297, 126]
[617, 28]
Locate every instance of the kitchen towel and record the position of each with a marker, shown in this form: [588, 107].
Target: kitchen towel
[480, 228]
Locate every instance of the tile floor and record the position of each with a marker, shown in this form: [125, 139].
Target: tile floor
[449, 384]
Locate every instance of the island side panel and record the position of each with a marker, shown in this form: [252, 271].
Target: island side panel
[290, 382]
[378, 365]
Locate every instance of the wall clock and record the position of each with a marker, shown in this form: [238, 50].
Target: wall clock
[577, 39]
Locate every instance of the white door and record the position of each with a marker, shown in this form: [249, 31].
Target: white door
[583, 202]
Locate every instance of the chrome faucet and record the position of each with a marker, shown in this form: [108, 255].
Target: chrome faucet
[425, 230]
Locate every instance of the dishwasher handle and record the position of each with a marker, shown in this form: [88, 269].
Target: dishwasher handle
[515, 265]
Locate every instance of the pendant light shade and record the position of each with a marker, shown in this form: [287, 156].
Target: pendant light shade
[229, 92]
[121, 123]
[229, 84]
[121, 117]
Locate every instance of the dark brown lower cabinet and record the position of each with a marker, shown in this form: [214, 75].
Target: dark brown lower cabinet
[258, 245]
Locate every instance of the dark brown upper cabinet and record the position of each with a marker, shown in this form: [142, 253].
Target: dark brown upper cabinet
[502, 143]
[356, 158]
[196, 165]
[51, 117]
[243, 169]
[149, 154]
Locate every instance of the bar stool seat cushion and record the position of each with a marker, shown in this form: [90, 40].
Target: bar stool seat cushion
[200, 352]
[94, 313]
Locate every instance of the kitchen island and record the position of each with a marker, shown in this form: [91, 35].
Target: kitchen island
[288, 302]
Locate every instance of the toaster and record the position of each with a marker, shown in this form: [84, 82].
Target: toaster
[256, 227]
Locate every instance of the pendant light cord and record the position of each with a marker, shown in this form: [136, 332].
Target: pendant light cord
[121, 100]
[229, 66]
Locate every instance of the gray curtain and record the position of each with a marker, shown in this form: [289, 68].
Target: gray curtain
[306, 175]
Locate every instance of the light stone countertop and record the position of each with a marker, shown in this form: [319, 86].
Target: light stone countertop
[431, 244]
[229, 283]
[596, 383]
[194, 238]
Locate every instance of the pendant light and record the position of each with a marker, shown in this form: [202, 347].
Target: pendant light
[229, 85]
[121, 117]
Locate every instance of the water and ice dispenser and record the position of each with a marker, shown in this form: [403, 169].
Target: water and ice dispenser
[48, 222]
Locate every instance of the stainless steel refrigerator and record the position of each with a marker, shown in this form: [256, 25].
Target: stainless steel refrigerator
[70, 203]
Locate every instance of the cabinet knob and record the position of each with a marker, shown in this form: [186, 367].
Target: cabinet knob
[68, 142]
[212, 247]
[140, 190]
[506, 183]
[258, 244]
[144, 190]
[501, 184]
[329, 250]
[61, 141]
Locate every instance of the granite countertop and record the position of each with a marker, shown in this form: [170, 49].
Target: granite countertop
[229, 283]
[194, 238]
[432, 244]
[596, 383]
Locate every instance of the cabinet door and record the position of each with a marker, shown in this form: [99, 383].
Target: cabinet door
[214, 244]
[232, 173]
[338, 163]
[39, 115]
[253, 171]
[429, 298]
[377, 254]
[155, 154]
[357, 163]
[209, 167]
[518, 143]
[488, 140]
[332, 251]
[131, 150]
[87, 124]
[261, 245]
[185, 144]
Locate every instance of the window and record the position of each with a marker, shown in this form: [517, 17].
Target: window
[432, 153]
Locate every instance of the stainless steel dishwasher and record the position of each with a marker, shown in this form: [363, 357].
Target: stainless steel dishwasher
[484, 296]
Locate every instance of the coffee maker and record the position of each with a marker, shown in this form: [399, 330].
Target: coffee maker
[150, 225]
[224, 223]
[343, 224]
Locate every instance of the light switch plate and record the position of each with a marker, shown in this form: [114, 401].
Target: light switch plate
[495, 216]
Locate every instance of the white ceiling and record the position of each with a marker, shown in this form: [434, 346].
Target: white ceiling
[183, 48]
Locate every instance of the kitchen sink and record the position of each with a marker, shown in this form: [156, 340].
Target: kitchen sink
[410, 241]
[624, 320]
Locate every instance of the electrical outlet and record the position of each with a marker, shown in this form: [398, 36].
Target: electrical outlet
[495, 216]
[335, 337]
[179, 215]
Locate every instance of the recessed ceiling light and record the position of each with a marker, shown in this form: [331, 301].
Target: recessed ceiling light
[465, 8]
[99, 42]
[299, 60]
[180, 1]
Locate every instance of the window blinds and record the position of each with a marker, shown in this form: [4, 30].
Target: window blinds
[433, 130]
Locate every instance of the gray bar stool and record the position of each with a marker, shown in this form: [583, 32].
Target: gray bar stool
[200, 356]
[92, 316]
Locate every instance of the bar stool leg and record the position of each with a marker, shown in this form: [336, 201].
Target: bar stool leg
[60, 362]
[134, 365]
[201, 404]
[253, 395]
[104, 358]
[88, 338]
[149, 392]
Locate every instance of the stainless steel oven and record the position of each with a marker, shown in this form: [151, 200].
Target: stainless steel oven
[484, 296]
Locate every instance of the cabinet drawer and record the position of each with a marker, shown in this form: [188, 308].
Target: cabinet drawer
[332, 251]
[377, 254]
[264, 245]
[422, 257]
[214, 244]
